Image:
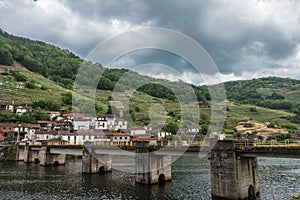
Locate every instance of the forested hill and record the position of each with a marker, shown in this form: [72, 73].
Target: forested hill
[52, 62]
[270, 92]
[62, 66]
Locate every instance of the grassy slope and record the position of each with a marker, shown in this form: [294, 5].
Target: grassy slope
[140, 103]
[240, 112]
[10, 93]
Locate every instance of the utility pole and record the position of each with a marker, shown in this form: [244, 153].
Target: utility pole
[18, 136]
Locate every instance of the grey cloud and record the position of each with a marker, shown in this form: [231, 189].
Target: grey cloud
[240, 36]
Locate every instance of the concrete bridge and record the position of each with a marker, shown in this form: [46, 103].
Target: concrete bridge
[233, 164]
[234, 167]
[39, 154]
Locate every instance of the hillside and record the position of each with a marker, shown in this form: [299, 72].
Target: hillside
[49, 73]
[42, 88]
[61, 66]
[270, 92]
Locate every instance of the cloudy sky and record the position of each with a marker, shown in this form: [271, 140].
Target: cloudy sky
[246, 39]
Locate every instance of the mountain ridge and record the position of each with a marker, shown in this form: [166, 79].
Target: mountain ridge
[61, 67]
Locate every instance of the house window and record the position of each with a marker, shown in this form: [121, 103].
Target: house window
[84, 137]
[75, 138]
[68, 138]
[115, 138]
[125, 138]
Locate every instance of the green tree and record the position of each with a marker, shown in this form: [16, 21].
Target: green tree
[31, 84]
[40, 115]
[204, 128]
[19, 76]
[5, 57]
[67, 98]
[171, 127]
[7, 116]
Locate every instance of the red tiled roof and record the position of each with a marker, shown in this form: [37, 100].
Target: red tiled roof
[82, 131]
[47, 132]
[8, 125]
[192, 126]
[43, 122]
[121, 134]
[142, 139]
[66, 133]
[52, 112]
[136, 129]
[73, 115]
[36, 126]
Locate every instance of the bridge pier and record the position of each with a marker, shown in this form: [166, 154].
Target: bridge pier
[233, 177]
[30, 155]
[95, 163]
[48, 159]
[20, 153]
[151, 168]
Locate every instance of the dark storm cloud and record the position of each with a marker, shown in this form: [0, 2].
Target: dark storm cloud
[242, 37]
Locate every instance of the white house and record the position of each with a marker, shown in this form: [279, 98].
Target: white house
[120, 138]
[72, 138]
[137, 131]
[163, 134]
[219, 136]
[46, 135]
[110, 121]
[30, 129]
[6, 106]
[20, 85]
[22, 109]
[53, 114]
[79, 124]
[120, 124]
[192, 129]
[91, 136]
[101, 123]
[148, 128]
[71, 116]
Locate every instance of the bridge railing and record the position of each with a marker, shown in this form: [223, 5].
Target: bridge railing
[246, 144]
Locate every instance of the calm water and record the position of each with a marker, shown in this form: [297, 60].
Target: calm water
[279, 178]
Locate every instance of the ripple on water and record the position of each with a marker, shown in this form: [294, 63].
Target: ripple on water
[279, 178]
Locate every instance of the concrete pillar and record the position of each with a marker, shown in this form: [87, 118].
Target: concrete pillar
[26, 153]
[43, 156]
[232, 177]
[151, 168]
[95, 163]
[20, 153]
[47, 159]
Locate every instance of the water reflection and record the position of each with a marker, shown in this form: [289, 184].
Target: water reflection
[279, 178]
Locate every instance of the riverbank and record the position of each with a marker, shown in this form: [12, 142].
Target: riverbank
[8, 152]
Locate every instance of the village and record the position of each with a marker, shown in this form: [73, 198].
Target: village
[77, 128]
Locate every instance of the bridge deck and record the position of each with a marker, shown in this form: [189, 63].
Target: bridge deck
[284, 151]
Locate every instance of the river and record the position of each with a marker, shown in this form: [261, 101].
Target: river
[279, 178]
